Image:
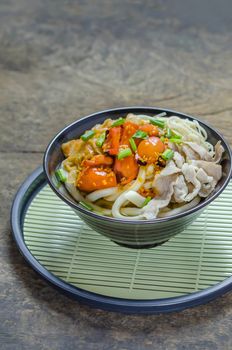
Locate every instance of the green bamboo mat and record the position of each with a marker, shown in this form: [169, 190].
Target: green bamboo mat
[198, 258]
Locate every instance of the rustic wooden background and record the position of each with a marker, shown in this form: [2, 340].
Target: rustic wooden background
[60, 60]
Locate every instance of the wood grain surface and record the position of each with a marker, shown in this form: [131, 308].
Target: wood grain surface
[60, 60]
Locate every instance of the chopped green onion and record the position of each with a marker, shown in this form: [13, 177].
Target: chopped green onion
[146, 201]
[118, 122]
[148, 117]
[169, 133]
[175, 140]
[133, 144]
[56, 182]
[163, 139]
[124, 153]
[86, 205]
[167, 154]
[140, 135]
[158, 122]
[60, 175]
[87, 135]
[101, 139]
[176, 136]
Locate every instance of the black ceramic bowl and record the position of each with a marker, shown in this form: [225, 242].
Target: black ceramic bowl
[134, 234]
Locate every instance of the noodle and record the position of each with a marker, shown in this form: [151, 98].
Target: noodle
[180, 209]
[79, 198]
[121, 199]
[134, 198]
[93, 196]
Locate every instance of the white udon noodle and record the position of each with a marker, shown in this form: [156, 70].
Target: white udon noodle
[189, 131]
[119, 197]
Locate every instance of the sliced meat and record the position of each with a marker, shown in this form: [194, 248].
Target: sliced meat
[219, 149]
[173, 146]
[189, 153]
[203, 153]
[189, 173]
[211, 169]
[208, 174]
[164, 185]
[178, 159]
[200, 150]
[170, 169]
[207, 183]
[180, 190]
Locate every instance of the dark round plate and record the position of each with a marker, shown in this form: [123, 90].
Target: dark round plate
[29, 189]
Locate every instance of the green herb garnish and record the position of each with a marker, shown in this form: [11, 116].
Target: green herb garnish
[124, 153]
[140, 135]
[60, 175]
[158, 122]
[133, 144]
[162, 139]
[118, 122]
[88, 135]
[176, 136]
[167, 154]
[175, 140]
[101, 139]
[146, 201]
[86, 205]
[169, 133]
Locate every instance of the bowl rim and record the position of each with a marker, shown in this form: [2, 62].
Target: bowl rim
[77, 207]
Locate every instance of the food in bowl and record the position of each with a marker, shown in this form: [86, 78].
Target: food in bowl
[140, 167]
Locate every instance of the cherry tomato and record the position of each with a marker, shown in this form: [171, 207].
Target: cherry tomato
[92, 179]
[152, 130]
[150, 149]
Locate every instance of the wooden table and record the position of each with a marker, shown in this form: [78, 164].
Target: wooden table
[60, 60]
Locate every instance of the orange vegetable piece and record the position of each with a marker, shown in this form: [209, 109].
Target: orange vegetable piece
[97, 178]
[112, 142]
[97, 160]
[150, 129]
[129, 129]
[150, 149]
[126, 169]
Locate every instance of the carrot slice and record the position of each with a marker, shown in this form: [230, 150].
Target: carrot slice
[97, 178]
[97, 160]
[129, 129]
[126, 169]
[112, 142]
